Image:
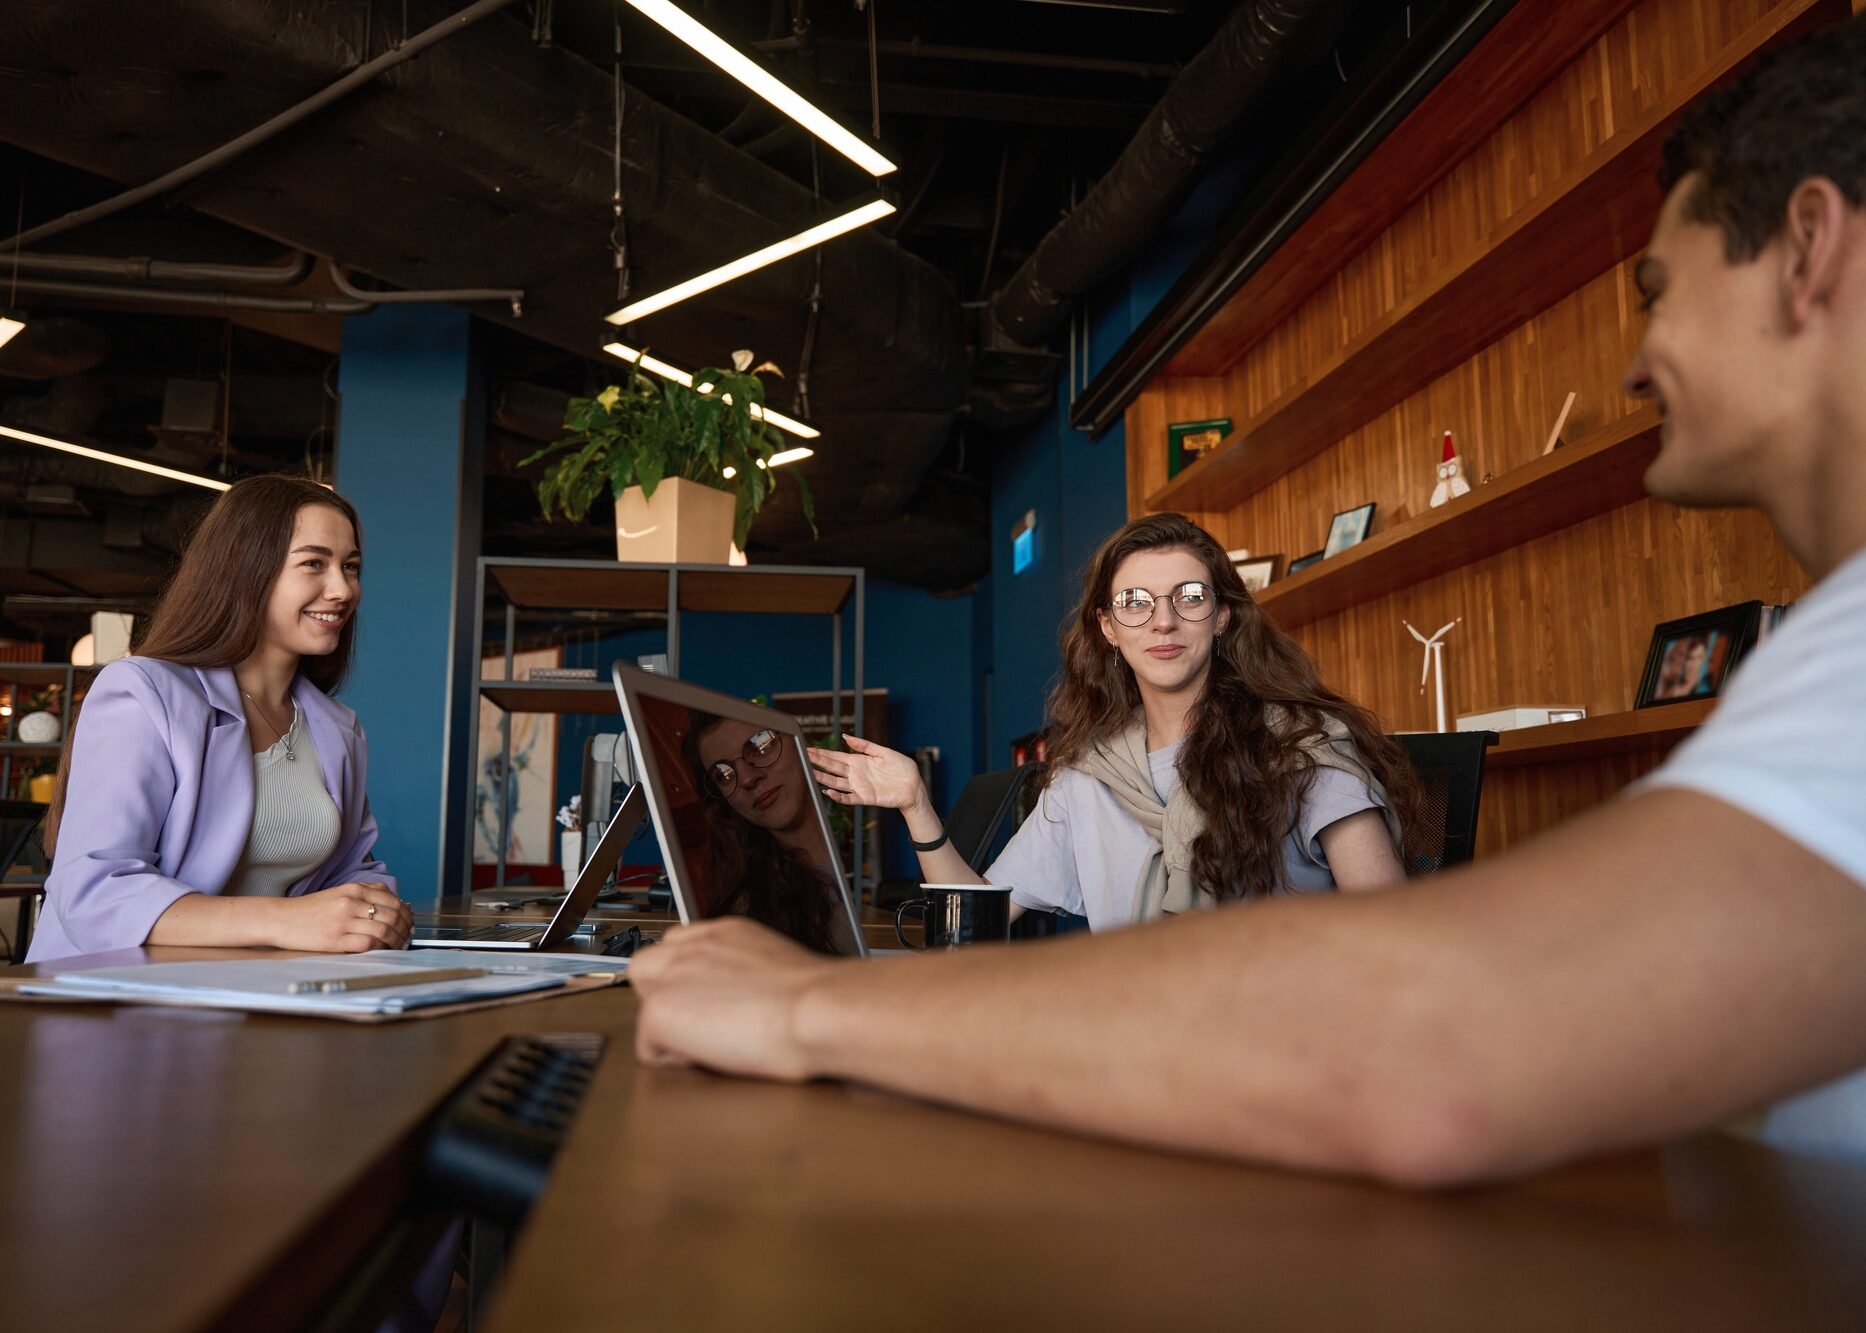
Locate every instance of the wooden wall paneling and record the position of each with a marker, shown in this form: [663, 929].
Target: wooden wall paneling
[1457, 291]
[1519, 803]
[1565, 619]
[1528, 47]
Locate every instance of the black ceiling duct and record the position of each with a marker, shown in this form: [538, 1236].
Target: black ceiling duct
[1262, 41]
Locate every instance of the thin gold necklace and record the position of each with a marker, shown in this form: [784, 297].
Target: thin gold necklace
[286, 734]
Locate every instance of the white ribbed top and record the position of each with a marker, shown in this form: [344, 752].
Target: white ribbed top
[295, 823]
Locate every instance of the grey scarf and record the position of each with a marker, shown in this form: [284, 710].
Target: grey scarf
[1166, 885]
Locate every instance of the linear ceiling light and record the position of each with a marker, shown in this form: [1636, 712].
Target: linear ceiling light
[8, 327]
[656, 366]
[84, 451]
[754, 76]
[777, 460]
[738, 268]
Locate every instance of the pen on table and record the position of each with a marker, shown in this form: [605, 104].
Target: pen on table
[380, 980]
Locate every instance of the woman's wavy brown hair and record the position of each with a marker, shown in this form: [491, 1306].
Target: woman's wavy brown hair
[1247, 780]
[212, 611]
[749, 872]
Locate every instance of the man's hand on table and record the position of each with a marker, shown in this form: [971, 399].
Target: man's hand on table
[725, 994]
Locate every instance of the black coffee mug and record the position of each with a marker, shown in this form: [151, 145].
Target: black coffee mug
[959, 914]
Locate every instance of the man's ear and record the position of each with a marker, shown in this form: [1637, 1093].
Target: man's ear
[1814, 238]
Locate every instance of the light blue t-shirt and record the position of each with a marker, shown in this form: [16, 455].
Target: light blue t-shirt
[1080, 851]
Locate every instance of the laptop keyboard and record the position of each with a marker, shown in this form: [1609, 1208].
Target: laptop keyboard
[482, 933]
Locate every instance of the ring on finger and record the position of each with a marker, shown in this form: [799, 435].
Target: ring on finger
[371, 913]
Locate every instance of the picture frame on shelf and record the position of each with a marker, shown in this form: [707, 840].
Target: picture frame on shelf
[1349, 528]
[1186, 440]
[1259, 572]
[1692, 658]
[1301, 563]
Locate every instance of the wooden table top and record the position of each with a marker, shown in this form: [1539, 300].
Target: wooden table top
[169, 1169]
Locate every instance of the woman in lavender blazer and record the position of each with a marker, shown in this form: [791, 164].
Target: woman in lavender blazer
[156, 789]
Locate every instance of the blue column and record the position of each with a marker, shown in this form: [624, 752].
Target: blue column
[410, 457]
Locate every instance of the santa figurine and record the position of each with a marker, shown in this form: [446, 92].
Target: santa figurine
[1451, 482]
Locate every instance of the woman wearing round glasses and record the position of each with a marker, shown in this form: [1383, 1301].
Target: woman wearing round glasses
[762, 849]
[1195, 755]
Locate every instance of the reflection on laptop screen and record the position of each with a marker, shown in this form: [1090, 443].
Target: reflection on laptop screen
[745, 820]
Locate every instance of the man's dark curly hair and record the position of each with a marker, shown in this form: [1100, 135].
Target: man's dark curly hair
[1801, 112]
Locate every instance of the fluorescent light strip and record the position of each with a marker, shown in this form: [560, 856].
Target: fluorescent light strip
[754, 76]
[9, 327]
[738, 268]
[84, 451]
[776, 460]
[656, 366]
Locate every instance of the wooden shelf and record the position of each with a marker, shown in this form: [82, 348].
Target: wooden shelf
[1530, 45]
[1601, 472]
[23, 748]
[1644, 730]
[42, 673]
[1590, 220]
[613, 586]
[551, 696]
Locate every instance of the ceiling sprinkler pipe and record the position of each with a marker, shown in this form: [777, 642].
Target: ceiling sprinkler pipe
[448, 295]
[237, 148]
[296, 268]
[291, 305]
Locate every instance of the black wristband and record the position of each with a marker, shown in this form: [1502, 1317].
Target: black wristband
[933, 846]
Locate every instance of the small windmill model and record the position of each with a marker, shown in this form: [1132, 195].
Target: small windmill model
[1434, 663]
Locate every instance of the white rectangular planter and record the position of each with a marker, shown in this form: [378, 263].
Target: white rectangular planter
[685, 523]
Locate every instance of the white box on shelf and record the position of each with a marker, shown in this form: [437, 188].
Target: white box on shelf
[1515, 719]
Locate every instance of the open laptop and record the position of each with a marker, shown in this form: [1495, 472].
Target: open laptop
[740, 820]
[570, 912]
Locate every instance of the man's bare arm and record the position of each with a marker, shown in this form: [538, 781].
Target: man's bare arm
[1655, 966]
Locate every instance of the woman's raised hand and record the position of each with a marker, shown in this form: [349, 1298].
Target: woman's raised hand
[868, 774]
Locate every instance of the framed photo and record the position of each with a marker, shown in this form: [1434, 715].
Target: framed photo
[1349, 529]
[1258, 573]
[1301, 563]
[1186, 440]
[1692, 658]
[527, 786]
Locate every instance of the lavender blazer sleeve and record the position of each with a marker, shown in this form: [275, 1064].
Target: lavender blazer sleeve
[159, 802]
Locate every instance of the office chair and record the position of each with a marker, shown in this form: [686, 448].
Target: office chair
[987, 813]
[1450, 766]
[19, 820]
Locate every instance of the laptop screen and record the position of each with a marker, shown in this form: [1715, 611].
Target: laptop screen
[738, 817]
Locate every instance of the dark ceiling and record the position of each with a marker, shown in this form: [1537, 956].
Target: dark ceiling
[487, 161]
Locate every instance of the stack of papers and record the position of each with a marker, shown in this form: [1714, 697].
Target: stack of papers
[268, 986]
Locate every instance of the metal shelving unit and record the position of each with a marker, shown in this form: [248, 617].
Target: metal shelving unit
[579, 585]
[14, 751]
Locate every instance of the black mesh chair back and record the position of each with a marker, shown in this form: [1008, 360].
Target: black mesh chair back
[987, 812]
[1450, 766]
[19, 820]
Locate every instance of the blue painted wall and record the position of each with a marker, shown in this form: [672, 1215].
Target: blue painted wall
[409, 458]
[1077, 487]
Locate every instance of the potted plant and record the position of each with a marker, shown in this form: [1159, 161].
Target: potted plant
[688, 466]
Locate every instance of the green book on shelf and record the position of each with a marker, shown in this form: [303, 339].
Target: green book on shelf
[1186, 440]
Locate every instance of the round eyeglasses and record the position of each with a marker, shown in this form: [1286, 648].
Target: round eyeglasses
[760, 751]
[1134, 607]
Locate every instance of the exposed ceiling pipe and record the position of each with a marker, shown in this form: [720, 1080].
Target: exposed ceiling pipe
[216, 300]
[1261, 41]
[515, 296]
[914, 48]
[272, 128]
[294, 270]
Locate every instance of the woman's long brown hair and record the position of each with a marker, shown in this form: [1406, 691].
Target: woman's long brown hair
[1247, 780]
[749, 872]
[212, 611]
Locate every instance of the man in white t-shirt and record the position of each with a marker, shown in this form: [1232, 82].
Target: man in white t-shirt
[1691, 952]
